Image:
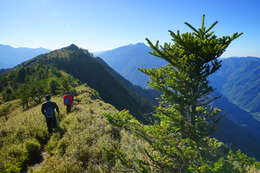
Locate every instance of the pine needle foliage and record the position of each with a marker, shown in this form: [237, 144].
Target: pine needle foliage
[192, 57]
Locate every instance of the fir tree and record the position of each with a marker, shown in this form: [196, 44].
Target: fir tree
[53, 85]
[21, 75]
[192, 57]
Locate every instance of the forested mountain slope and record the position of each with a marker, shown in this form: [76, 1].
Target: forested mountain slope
[239, 80]
[238, 128]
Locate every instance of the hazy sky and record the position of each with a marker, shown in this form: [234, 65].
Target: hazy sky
[105, 24]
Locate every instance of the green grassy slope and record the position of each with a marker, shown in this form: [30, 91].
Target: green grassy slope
[83, 140]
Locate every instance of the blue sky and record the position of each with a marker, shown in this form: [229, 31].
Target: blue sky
[105, 24]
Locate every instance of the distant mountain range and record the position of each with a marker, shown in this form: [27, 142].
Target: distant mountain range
[2, 71]
[238, 81]
[10, 56]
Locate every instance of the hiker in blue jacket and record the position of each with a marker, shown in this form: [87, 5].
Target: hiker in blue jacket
[48, 110]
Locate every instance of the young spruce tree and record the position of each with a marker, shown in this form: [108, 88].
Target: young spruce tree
[180, 140]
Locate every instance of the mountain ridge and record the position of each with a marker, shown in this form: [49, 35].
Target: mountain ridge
[98, 75]
[125, 58]
[11, 56]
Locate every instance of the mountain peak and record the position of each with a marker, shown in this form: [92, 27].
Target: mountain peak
[140, 44]
[72, 47]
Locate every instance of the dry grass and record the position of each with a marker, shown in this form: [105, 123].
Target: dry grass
[84, 142]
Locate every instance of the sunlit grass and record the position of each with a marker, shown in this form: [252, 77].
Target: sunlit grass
[84, 140]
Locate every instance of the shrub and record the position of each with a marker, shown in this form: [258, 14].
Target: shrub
[4, 111]
[33, 149]
[61, 165]
[74, 92]
[16, 158]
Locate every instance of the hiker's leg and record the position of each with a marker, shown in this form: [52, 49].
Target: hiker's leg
[54, 121]
[53, 124]
[49, 124]
[69, 107]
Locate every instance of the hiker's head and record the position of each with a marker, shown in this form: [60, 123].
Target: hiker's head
[47, 97]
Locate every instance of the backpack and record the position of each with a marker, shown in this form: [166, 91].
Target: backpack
[67, 101]
[49, 112]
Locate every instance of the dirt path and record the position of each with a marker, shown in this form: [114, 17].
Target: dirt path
[44, 153]
[38, 166]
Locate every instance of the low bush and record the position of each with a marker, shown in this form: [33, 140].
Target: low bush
[33, 149]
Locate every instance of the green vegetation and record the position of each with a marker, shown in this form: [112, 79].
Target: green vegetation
[30, 84]
[21, 138]
[5, 110]
[180, 141]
